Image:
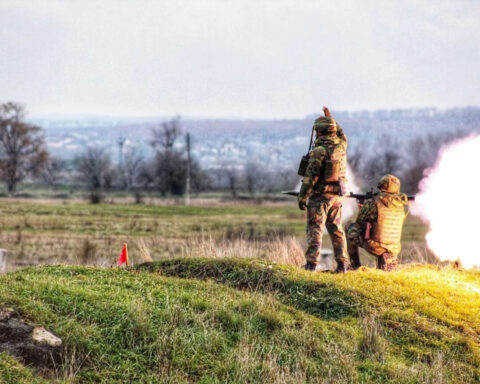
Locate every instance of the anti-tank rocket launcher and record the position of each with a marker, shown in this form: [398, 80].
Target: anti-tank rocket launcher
[370, 194]
[360, 197]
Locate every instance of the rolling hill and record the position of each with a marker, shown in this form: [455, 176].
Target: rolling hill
[248, 321]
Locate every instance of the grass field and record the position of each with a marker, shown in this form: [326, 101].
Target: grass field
[217, 306]
[52, 232]
[231, 321]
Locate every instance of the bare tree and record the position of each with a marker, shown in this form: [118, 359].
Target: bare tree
[386, 162]
[255, 177]
[22, 146]
[130, 168]
[95, 172]
[383, 159]
[170, 169]
[146, 174]
[232, 175]
[53, 170]
[167, 172]
[201, 180]
[166, 134]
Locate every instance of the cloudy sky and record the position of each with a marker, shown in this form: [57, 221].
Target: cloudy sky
[237, 58]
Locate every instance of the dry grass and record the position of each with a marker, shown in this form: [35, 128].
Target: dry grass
[72, 362]
[88, 252]
[280, 250]
[417, 252]
[102, 250]
[48, 232]
[144, 251]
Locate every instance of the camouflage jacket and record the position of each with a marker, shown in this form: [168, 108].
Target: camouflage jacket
[315, 163]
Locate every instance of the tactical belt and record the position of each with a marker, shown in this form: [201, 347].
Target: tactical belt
[321, 188]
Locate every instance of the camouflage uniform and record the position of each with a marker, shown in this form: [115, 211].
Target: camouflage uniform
[383, 241]
[324, 198]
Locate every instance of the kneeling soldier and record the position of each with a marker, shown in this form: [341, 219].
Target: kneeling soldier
[378, 228]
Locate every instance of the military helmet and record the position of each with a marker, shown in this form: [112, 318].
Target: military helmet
[325, 125]
[389, 184]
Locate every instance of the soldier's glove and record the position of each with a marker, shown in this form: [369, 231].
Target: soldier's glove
[302, 196]
[302, 204]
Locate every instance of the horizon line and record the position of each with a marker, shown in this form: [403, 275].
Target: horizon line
[86, 116]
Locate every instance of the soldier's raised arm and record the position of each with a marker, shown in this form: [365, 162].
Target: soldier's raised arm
[340, 134]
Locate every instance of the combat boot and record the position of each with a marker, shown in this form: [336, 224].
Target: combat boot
[355, 260]
[310, 266]
[342, 267]
[387, 262]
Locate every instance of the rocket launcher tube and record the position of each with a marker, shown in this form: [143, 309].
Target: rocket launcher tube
[360, 197]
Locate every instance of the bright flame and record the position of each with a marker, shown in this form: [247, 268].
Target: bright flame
[447, 202]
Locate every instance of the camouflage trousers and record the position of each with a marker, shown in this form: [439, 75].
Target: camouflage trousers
[385, 259]
[325, 212]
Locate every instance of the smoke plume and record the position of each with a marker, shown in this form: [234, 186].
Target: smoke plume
[350, 205]
[449, 203]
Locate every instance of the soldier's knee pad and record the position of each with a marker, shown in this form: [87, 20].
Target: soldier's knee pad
[354, 234]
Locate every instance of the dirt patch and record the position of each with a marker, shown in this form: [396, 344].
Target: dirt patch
[32, 345]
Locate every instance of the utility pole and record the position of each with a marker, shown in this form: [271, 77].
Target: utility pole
[120, 141]
[189, 169]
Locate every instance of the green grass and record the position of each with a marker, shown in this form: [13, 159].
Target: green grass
[230, 321]
[147, 220]
[13, 372]
[139, 220]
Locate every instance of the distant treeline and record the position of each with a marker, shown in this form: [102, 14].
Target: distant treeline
[402, 142]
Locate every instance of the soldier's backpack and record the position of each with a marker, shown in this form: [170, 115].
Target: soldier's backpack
[302, 168]
[335, 166]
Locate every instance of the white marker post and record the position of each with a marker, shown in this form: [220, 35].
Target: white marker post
[3, 260]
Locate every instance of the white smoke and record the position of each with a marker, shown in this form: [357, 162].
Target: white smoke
[350, 205]
[448, 203]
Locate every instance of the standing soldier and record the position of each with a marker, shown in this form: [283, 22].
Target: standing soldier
[323, 187]
[378, 228]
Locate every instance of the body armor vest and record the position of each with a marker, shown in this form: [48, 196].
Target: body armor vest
[335, 165]
[387, 230]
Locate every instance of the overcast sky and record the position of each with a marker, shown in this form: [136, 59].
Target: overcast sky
[242, 58]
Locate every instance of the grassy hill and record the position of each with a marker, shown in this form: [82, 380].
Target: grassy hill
[229, 321]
